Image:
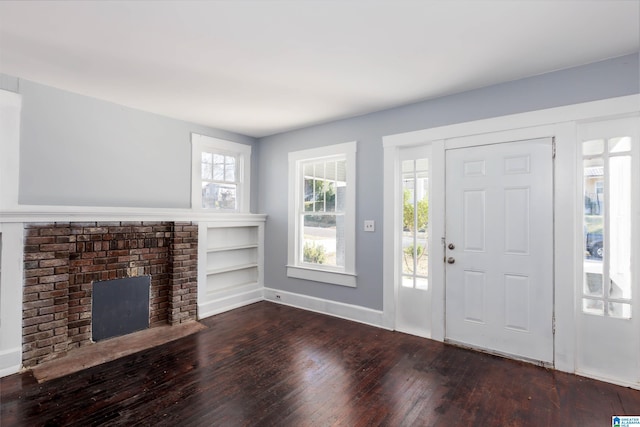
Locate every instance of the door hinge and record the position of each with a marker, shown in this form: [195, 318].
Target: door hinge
[553, 325]
[553, 148]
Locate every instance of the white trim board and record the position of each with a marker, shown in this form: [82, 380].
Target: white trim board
[608, 380]
[341, 310]
[10, 361]
[220, 305]
[578, 112]
[41, 213]
[351, 312]
[11, 369]
[11, 299]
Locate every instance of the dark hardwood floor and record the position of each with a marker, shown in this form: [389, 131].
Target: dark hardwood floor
[267, 364]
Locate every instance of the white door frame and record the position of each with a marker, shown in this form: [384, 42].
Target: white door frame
[557, 122]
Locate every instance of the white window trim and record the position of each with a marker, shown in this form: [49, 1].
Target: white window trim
[200, 143]
[343, 277]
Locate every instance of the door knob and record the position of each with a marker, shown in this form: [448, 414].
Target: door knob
[451, 260]
[452, 246]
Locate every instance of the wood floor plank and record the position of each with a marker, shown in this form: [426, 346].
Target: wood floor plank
[272, 365]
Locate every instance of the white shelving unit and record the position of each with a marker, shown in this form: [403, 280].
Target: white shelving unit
[230, 264]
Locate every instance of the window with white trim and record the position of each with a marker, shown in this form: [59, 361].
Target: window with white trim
[322, 214]
[609, 180]
[220, 174]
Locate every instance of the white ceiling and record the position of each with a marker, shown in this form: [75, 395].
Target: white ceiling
[262, 67]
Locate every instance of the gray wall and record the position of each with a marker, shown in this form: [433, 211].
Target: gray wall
[606, 79]
[77, 150]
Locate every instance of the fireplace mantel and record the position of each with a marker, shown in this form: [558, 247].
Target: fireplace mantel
[39, 213]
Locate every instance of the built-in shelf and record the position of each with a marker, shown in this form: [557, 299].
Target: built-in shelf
[231, 264]
[231, 268]
[232, 248]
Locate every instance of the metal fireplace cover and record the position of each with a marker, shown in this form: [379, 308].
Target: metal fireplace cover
[120, 306]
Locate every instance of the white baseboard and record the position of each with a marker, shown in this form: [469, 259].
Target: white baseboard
[332, 308]
[606, 379]
[230, 302]
[415, 331]
[10, 370]
[10, 361]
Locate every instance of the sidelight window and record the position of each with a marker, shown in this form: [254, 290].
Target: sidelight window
[415, 220]
[607, 190]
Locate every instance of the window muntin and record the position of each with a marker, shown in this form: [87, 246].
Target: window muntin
[607, 179]
[322, 214]
[415, 219]
[221, 174]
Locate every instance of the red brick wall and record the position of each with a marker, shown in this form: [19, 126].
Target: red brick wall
[62, 260]
[46, 291]
[183, 273]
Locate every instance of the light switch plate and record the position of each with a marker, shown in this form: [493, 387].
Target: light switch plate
[369, 225]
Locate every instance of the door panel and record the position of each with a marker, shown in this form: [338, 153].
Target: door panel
[474, 220]
[499, 235]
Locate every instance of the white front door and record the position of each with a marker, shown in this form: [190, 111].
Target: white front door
[499, 254]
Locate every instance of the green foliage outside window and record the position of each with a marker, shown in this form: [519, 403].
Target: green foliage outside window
[409, 223]
[320, 196]
[314, 253]
[408, 255]
[408, 214]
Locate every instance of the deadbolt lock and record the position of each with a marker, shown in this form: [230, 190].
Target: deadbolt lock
[451, 246]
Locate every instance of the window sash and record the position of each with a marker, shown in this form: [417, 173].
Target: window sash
[319, 197]
[225, 163]
[325, 170]
[235, 179]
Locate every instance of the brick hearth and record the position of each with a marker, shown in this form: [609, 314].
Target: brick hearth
[62, 260]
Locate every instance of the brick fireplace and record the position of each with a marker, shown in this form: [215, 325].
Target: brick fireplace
[63, 259]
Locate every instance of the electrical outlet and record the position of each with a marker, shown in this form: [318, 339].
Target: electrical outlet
[369, 225]
[277, 296]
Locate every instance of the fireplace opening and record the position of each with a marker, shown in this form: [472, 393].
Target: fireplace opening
[120, 307]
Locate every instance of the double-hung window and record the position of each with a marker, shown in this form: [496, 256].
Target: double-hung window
[221, 174]
[322, 214]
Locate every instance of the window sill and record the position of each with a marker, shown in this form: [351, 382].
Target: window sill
[324, 276]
